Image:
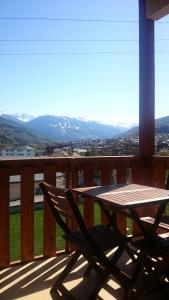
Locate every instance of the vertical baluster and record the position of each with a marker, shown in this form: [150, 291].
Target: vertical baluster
[88, 212]
[67, 179]
[121, 178]
[136, 178]
[49, 223]
[136, 171]
[67, 183]
[121, 174]
[159, 176]
[74, 173]
[106, 170]
[4, 219]
[27, 215]
[73, 182]
[159, 169]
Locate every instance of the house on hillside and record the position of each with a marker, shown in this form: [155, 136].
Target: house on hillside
[17, 151]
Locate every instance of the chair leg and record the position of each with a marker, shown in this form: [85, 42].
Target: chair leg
[66, 270]
[91, 266]
[103, 277]
[88, 270]
[55, 293]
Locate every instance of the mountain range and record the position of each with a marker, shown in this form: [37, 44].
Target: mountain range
[23, 129]
[43, 129]
[161, 127]
[15, 133]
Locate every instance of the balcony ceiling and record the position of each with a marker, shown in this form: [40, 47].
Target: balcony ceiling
[156, 9]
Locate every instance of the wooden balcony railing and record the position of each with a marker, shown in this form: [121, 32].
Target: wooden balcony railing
[161, 168]
[77, 171]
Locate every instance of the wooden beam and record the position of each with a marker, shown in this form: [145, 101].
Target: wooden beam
[157, 9]
[146, 92]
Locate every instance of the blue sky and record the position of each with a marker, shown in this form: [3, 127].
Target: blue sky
[83, 82]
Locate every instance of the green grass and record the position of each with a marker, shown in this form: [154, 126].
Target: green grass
[15, 236]
[38, 232]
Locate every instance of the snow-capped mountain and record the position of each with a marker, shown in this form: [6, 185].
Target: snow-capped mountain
[63, 128]
[66, 128]
[19, 118]
[24, 117]
[14, 132]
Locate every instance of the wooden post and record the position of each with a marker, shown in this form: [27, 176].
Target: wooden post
[146, 93]
[146, 101]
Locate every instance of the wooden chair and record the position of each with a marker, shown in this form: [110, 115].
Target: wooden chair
[163, 225]
[151, 254]
[153, 261]
[92, 243]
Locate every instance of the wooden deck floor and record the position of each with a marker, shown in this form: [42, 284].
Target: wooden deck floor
[34, 280]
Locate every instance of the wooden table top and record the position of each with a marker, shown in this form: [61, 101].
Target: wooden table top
[126, 195]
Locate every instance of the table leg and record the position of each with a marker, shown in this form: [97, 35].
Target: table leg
[153, 228]
[140, 224]
[159, 215]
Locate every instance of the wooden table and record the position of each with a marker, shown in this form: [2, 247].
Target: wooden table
[129, 197]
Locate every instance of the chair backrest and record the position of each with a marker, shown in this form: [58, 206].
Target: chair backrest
[84, 230]
[67, 206]
[58, 203]
[76, 213]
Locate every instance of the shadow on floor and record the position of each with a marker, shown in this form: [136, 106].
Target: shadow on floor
[34, 281]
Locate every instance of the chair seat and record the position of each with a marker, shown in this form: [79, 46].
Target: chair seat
[105, 237]
[153, 260]
[149, 221]
[153, 246]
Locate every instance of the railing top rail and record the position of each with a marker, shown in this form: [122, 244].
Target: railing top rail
[10, 160]
[161, 159]
[38, 164]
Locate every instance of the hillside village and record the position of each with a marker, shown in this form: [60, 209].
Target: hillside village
[106, 147]
[98, 147]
